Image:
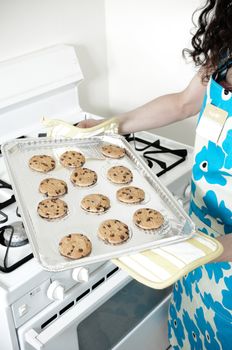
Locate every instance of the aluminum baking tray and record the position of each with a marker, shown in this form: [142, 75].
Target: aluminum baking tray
[44, 236]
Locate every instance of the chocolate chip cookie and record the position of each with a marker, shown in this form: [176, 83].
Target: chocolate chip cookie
[120, 174]
[72, 159]
[130, 194]
[52, 208]
[51, 187]
[148, 219]
[75, 246]
[95, 203]
[83, 177]
[42, 163]
[113, 151]
[113, 232]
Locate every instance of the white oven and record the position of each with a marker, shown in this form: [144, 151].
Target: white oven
[98, 306]
[110, 312]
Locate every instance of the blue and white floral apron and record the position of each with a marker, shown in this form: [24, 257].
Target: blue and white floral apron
[200, 313]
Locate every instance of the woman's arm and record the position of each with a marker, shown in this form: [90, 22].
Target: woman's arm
[162, 110]
[165, 109]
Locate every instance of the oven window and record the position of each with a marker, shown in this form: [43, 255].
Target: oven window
[106, 326]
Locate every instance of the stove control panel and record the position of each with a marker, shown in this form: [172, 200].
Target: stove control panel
[54, 289]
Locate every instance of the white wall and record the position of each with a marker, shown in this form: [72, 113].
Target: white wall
[145, 39]
[28, 25]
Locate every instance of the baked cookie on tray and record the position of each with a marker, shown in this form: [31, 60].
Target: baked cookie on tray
[113, 151]
[148, 219]
[113, 232]
[95, 203]
[42, 163]
[120, 174]
[130, 194]
[52, 187]
[72, 159]
[75, 246]
[52, 208]
[83, 177]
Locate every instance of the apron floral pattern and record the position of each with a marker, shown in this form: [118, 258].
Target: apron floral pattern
[200, 313]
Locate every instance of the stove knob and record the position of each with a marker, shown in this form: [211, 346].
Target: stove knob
[55, 291]
[179, 200]
[80, 274]
[187, 192]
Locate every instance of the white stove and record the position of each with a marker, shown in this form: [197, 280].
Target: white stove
[47, 310]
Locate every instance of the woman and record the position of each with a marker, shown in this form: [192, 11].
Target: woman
[200, 313]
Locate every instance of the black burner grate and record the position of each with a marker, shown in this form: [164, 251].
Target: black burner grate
[3, 217]
[11, 199]
[150, 149]
[5, 268]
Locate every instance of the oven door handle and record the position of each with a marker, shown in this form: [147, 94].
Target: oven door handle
[80, 311]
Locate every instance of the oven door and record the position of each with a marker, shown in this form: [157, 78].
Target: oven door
[120, 314]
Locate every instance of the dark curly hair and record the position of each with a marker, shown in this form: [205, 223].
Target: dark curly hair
[212, 40]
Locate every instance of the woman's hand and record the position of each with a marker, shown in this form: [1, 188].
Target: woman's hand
[88, 123]
[226, 241]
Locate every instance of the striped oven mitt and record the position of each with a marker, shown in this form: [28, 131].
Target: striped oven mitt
[160, 267]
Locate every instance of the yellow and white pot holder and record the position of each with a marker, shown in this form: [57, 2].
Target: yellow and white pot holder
[160, 267]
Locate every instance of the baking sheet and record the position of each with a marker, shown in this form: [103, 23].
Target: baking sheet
[45, 235]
